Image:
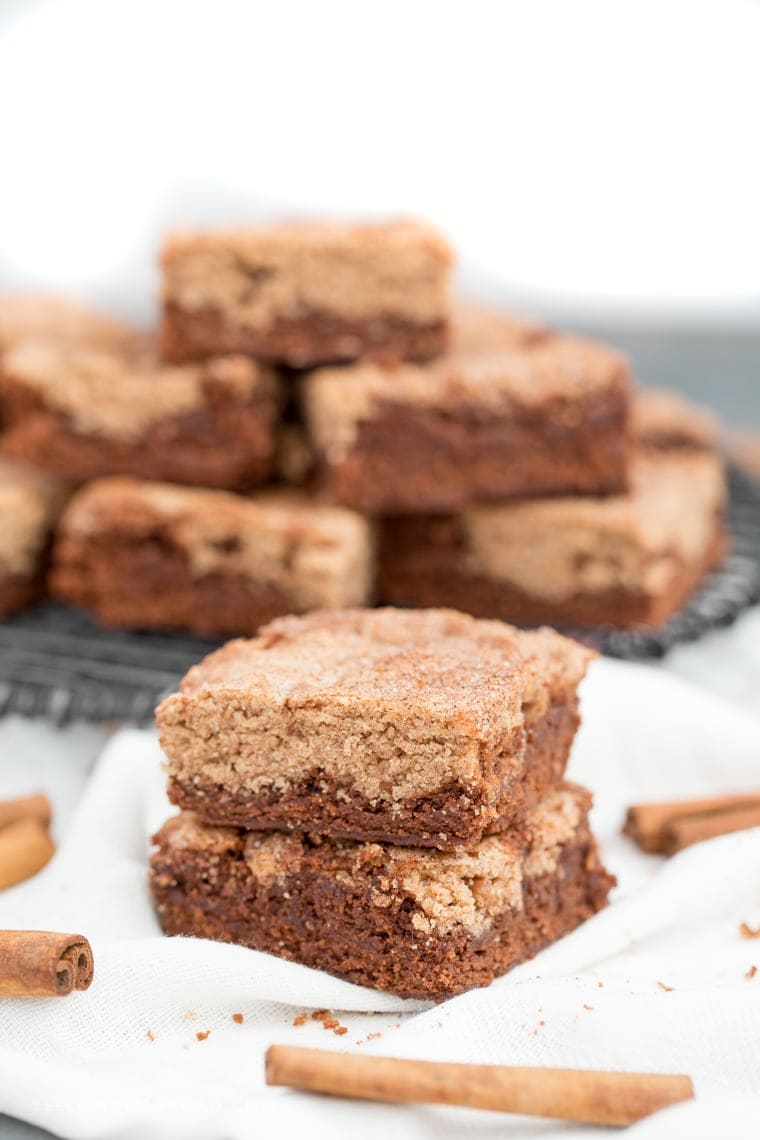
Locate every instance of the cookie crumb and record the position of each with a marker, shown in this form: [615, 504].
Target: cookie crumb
[667, 989]
[299, 1020]
[320, 1014]
[150, 1035]
[751, 972]
[748, 931]
[237, 1018]
[587, 1006]
[189, 1015]
[340, 1030]
[201, 1036]
[373, 1036]
[600, 985]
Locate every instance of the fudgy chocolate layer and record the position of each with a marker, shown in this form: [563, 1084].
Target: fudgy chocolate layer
[324, 914]
[449, 818]
[317, 338]
[416, 458]
[422, 563]
[228, 443]
[18, 593]
[149, 585]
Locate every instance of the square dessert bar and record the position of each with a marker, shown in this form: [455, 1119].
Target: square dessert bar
[628, 560]
[402, 727]
[82, 413]
[664, 421]
[26, 318]
[29, 506]
[545, 418]
[156, 556]
[479, 328]
[307, 292]
[421, 923]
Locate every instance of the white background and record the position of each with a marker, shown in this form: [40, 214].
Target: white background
[594, 156]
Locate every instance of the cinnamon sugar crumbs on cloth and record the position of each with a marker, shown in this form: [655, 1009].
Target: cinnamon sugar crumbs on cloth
[237, 1018]
[751, 972]
[329, 1022]
[150, 1035]
[748, 931]
[300, 1019]
[201, 1036]
[668, 989]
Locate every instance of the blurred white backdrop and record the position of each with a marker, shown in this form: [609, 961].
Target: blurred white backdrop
[591, 155]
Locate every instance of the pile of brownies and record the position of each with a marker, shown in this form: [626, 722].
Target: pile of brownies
[316, 425]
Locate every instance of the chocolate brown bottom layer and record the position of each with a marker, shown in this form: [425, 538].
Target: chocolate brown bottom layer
[18, 593]
[416, 459]
[227, 444]
[318, 338]
[421, 564]
[323, 916]
[451, 817]
[149, 585]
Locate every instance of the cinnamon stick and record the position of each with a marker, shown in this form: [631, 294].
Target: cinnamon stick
[26, 807]
[614, 1099]
[41, 963]
[25, 848]
[691, 829]
[648, 824]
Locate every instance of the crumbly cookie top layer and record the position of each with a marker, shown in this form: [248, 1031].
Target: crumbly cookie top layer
[121, 395]
[660, 418]
[447, 889]
[390, 704]
[559, 371]
[33, 318]
[319, 555]
[259, 275]
[555, 548]
[29, 505]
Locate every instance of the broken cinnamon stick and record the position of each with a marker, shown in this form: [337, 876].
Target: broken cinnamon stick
[648, 824]
[25, 807]
[25, 848]
[614, 1099]
[41, 963]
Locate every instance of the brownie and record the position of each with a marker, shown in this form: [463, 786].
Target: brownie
[629, 560]
[156, 556]
[417, 922]
[83, 413]
[397, 726]
[306, 293]
[480, 328]
[664, 421]
[29, 506]
[31, 317]
[546, 418]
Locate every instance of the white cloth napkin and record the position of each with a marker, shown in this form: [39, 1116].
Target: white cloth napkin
[656, 982]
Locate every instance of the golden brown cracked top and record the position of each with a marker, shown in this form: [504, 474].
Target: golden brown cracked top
[41, 318]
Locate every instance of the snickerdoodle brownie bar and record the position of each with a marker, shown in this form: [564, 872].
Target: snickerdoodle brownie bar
[306, 293]
[158, 556]
[31, 317]
[428, 727]
[544, 418]
[29, 507]
[82, 413]
[417, 922]
[662, 420]
[628, 560]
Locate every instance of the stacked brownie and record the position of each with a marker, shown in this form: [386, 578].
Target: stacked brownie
[380, 794]
[436, 453]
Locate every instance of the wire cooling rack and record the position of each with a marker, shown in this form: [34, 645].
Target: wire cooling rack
[56, 662]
